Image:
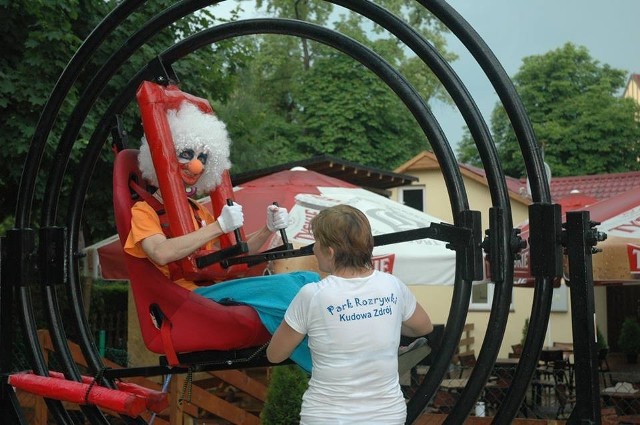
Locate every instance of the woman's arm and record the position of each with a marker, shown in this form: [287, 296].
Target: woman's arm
[418, 324]
[284, 341]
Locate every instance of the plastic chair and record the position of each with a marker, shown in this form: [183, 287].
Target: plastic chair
[467, 363]
[516, 351]
[603, 367]
[444, 401]
[565, 398]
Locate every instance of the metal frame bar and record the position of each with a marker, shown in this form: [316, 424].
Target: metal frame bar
[499, 236]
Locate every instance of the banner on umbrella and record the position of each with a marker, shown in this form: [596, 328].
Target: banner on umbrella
[618, 259]
[424, 261]
[623, 232]
[305, 193]
[633, 253]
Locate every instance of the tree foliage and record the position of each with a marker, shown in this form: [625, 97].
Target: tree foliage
[466, 151]
[582, 124]
[364, 123]
[284, 398]
[44, 36]
[322, 101]
[37, 36]
[283, 98]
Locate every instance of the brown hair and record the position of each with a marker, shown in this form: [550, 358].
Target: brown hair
[348, 232]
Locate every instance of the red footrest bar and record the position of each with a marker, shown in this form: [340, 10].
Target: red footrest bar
[156, 401]
[56, 387]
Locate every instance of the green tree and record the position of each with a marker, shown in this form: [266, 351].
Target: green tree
[307, 10]
[362, 122]
[579, 119]
[273, 91]
[301, 98]
[284, 398]
[36, 35]
[629, 338]
[43, 36]
[466, 152]
[260, 111]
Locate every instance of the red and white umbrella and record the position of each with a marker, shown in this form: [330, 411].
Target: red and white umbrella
[304, 193]
[619, 261]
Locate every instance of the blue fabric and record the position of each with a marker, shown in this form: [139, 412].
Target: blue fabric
[269, 296]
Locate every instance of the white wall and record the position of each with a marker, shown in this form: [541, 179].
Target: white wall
[437, 301]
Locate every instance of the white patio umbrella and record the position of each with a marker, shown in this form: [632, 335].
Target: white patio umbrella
[304, 193]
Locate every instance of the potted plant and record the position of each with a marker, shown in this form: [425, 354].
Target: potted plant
[601, 343]
[629, 339]
[525, 329]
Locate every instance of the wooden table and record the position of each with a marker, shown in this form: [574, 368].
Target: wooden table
[454, 384]
[566, 347]
[550, 354]
[460, 383]
[504, 370]
[510, 362]
[493, 393]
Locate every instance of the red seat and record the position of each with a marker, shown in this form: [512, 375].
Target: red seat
[198, 323]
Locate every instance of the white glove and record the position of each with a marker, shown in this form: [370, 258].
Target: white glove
[277, 218]
[231, 217]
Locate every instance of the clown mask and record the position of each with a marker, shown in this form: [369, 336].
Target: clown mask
[202, 148]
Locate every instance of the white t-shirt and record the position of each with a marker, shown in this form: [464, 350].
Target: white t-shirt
[354, 333]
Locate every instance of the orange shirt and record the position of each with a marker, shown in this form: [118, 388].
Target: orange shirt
[145, 222]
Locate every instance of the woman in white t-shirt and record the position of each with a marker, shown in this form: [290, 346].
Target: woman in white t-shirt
[353, 318]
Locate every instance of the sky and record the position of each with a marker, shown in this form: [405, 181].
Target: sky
[514, 29]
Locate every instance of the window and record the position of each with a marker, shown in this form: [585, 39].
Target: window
[482, 296]
[412, 196]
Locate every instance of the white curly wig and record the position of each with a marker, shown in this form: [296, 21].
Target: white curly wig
[193, 129]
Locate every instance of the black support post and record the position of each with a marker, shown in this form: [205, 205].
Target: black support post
[10, 411]
[580, 240]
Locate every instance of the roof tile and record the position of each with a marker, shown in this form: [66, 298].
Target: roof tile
[599, 186]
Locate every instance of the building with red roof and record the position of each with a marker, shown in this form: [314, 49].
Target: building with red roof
[597, 186]
[429, 194]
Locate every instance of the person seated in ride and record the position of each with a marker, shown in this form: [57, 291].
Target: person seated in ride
[202, 146]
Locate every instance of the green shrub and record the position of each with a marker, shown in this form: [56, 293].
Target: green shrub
[602, 342]
[108, 312]
[117, 355]
[525, 329]
[109, 296]
[629, 339]
[284, 397]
